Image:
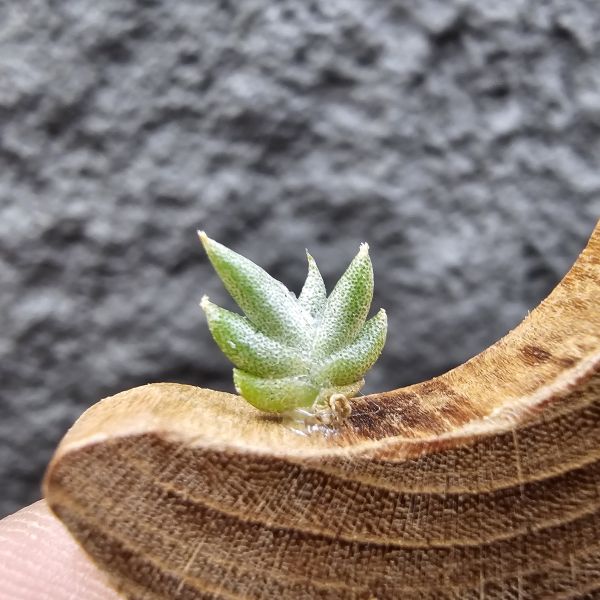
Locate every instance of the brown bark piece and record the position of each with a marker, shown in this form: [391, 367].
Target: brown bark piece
[481, 483]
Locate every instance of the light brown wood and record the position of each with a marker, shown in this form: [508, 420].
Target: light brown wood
[481, 483]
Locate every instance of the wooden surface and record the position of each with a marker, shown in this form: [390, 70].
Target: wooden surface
[481, 483]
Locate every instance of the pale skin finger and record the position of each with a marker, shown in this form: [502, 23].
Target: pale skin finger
[40, 561]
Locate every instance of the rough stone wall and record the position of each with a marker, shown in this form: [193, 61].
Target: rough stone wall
[460, 138]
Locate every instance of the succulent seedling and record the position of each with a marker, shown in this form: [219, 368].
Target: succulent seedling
[295, 353]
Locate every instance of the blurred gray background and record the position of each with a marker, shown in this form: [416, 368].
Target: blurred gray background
[460, 138]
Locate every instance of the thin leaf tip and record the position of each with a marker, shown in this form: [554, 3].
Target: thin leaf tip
[204, 239]
[205, 303]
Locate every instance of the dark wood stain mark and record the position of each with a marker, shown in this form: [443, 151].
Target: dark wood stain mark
[431, 409]
[390, 414]
[566, 361]
[457, 412]
[434, 385]
[534, 355]
[373, 418]
[457, 408]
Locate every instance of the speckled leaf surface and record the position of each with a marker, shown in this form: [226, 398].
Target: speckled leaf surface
[294, 353]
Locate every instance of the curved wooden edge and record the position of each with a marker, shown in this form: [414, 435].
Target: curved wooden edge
[555, 350]
[482, 482]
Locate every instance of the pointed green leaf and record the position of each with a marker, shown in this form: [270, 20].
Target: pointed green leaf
[313, 295]
[348, 305]
[275, 395]
[267, 303]
[249, 349]
[351, 362]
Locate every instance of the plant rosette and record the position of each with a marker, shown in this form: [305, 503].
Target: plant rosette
[300, 356]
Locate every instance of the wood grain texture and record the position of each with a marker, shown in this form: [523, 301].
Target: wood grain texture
[481, 483]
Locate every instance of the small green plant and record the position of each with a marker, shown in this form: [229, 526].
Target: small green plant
[295, 353]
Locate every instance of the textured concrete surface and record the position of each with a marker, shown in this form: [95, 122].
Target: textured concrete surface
[460, 138]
